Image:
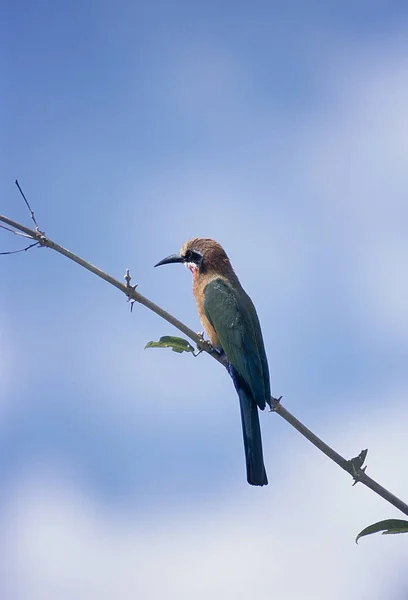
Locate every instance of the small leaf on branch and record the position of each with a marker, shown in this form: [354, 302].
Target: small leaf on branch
[387, 527]
[177, 344]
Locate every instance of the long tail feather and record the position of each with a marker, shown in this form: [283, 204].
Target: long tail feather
[251, 430]
[256, 474]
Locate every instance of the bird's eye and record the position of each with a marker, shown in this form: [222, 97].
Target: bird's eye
[196, 257]
[193, 257]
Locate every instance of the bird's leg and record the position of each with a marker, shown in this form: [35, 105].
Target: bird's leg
[203, 344]
[223, 359]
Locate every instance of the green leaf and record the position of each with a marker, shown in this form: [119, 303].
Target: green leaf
[177, 344]
[387, 527]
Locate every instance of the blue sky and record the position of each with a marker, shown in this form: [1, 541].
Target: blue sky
[281, 131]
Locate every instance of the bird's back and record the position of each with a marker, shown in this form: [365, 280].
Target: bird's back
[231, 315]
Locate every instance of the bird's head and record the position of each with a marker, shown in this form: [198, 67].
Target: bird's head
[200, 255]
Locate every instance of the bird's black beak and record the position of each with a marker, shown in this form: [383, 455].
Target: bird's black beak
[173, 258]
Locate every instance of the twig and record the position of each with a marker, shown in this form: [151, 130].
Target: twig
[22, 235]
[353, 466]
[16, 232]
[28, 206]
[128, 290]
[21, 249]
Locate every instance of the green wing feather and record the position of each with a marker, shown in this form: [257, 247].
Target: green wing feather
[233, 316]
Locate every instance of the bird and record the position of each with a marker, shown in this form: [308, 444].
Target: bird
[229, 317]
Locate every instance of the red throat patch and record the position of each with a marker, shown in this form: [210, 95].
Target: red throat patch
[193, 268]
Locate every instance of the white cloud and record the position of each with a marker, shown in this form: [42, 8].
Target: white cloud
[354, 156]
[333, 184]
[382, 279]
[292, 540]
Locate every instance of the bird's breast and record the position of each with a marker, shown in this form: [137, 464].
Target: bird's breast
[199, 284]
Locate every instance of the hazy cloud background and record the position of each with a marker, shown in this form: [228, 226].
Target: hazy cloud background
[280, 130]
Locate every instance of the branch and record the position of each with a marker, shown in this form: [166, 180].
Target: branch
[354, 466]
[128, 290]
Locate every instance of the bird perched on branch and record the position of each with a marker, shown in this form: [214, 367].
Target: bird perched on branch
[230, 320]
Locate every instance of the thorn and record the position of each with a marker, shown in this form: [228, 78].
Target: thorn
[130, 287]
[358, 461]
[127, 278]
[274, 403]
[356, 465]
[132, 301]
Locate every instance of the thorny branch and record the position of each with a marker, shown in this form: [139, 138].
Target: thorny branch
[354, 466]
